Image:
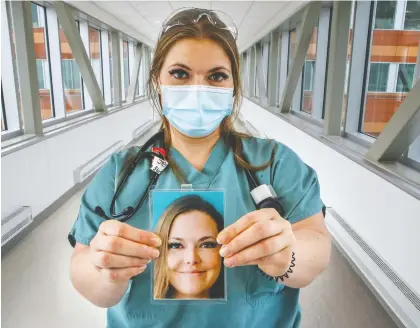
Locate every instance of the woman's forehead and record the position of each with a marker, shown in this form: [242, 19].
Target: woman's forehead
[194, 223]
[197, 54]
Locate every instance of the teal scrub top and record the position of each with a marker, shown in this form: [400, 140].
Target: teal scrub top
[253, 300]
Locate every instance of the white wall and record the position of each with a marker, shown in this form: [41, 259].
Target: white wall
[386, 217]
[38, 175]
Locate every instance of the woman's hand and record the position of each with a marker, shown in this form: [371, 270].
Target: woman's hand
[260, 238]
[120, 251]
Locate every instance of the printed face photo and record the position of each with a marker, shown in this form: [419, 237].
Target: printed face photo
[189, 266]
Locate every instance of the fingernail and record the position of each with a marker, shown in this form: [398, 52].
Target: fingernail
[156, 241]
[155, 253]
[142, 267]
[229, 263]
[223, 251]
[149, 261]
[221, 239]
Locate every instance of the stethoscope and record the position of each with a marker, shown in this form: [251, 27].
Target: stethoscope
[263, 195]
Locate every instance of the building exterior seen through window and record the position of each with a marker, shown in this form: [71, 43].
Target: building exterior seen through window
[95, 55]
[309, 73]
[39, 28]
[392, 63]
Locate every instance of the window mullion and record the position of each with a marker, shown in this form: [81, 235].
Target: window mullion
[26, 64]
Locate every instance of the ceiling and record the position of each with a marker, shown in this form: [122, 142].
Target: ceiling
[143, 19]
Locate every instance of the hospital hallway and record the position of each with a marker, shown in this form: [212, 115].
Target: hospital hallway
[336, 82]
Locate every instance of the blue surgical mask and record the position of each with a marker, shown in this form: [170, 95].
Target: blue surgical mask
[196, 110]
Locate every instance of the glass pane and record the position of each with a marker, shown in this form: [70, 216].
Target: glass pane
[393, 55]
[414, 151]
[412, 16]
[126, 67]
[95, 55]
[385, 14]
[138, 78]
[110, 66]
[10, 77]
[265, 54]
[71, 77]
[3, 113]
[142, 78]
[42, 61]
[346, 82]
[405, 77]
[378, 77]
[257, 80]
[309, 73]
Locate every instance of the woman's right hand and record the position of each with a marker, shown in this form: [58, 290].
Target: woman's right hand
[120, 251]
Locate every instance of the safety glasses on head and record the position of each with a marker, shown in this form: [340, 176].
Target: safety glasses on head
[191, 15]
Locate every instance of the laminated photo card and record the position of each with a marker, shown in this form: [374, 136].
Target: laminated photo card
[189, 267]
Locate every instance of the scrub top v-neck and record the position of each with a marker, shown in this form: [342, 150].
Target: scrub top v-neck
[203, 178]
[253, 300]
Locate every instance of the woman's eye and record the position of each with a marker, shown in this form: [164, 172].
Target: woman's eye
[219, 77]
[209, 244]
[174, 245]
[178, 73]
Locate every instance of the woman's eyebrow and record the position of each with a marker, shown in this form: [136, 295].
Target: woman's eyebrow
[214, 69]
[206, 237]
[201, 239]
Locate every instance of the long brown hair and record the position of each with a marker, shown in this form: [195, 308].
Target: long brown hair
[185, 204]
[202, 29]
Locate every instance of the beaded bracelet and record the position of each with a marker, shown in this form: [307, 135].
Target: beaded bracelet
[286, 275]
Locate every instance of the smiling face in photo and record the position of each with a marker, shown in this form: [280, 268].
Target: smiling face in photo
[193, 258]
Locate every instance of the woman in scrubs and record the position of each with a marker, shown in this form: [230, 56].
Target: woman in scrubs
[195, 86]
[189, 265]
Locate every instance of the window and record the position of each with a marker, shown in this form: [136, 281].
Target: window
[378, 77]
[43, 74]
[126, 67]
[139, 77]
[385, 14]
[412, 16]
[42, 60]
[256, 82]
[71, 77]
[309, 74]
[347, 78]
[265, 55]
[392, 57]
[11, 106]
[37, 15]
[3, 113]
[110, 66]
[405, 77]
[414, 151]
[95, 55]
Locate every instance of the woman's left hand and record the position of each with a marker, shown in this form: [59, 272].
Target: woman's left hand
[260, 238]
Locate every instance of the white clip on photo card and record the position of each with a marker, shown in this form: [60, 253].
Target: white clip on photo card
[189, 268]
